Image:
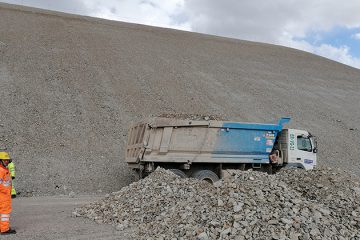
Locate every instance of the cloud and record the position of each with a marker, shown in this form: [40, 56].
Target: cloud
[269, 20]
[68, 6]
[149, 12]
[357, 36]
[278, 22]
[339, 54]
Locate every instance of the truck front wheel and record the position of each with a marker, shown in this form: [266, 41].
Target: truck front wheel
[206, 175]
[178, 172]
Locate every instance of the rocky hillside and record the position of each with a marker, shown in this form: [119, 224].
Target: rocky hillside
[70, 86]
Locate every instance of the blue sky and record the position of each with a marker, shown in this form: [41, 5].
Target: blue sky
[337, 37]
[329, 28]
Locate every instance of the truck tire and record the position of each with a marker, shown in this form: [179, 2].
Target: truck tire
[135, 175]
[206, 175]
[179, 173]
[267, 168]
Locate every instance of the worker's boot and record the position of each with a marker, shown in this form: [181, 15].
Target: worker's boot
[13, 196]
[10, 231]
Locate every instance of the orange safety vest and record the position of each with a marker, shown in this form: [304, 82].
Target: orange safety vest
[5, 198]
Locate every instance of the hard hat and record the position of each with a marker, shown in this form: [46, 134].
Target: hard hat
[4, 156]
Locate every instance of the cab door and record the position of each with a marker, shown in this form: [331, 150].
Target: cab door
[301, 149]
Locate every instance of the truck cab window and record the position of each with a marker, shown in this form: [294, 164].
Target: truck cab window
[304, 144]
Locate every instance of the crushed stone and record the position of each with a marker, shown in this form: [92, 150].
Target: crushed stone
[292, 204]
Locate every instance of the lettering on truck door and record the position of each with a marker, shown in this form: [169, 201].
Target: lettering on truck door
[292, 141]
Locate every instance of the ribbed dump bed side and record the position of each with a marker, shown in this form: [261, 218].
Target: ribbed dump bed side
[178, 140]
[135, 142]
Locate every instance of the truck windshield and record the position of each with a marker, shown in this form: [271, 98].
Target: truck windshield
[304, 143]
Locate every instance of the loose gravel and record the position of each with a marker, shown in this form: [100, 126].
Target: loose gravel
[292, 204]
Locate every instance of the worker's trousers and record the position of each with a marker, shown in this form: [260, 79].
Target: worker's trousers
[5, 210]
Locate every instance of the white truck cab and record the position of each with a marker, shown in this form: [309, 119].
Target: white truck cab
[299, 148]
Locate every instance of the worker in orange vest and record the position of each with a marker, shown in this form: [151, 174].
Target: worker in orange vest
[5, 195]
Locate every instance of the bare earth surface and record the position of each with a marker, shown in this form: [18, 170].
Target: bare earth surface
[41, 218]
[71, 85]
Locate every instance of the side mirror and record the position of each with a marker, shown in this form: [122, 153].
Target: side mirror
[315, 150]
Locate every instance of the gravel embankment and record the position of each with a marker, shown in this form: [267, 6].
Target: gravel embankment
[293, 204]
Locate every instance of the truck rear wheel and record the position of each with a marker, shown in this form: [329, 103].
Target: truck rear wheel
[206, 175]
[178, 172]
[135, 175]
[267, 168]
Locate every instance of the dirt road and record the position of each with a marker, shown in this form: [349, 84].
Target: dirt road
[50, 218]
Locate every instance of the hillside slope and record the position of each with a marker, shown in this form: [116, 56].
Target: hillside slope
[70, 86]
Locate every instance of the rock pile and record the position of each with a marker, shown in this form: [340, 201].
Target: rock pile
[193, 116]
[293, 204]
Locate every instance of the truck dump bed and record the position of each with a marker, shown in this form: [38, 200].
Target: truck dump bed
[186, 141]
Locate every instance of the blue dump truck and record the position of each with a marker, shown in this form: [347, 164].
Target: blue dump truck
[202, 149]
